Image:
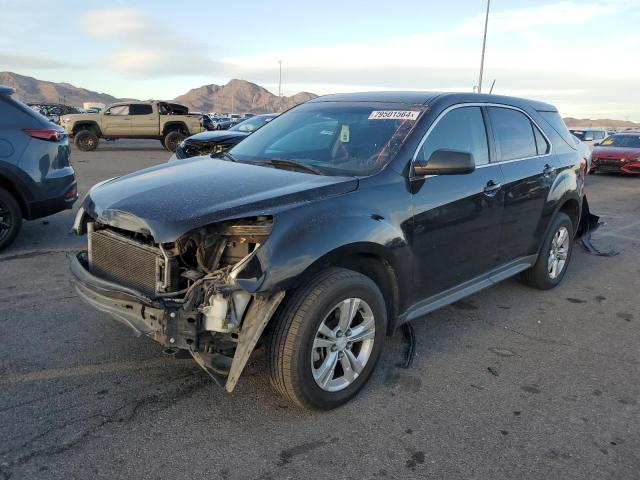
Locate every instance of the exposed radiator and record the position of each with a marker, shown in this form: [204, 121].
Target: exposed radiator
[126, 262]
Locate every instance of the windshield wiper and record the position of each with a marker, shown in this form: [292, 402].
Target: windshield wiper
[224, 154]
[285, 162]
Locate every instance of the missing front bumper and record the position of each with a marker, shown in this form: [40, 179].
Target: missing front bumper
[169, 324]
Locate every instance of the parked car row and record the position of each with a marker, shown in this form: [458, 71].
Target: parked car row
[53, 111]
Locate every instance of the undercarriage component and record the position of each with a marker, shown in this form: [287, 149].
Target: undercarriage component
[410, 337]
[258, 315]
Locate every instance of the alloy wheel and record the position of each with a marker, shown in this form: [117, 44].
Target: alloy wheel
[6, 221]
[343, 344]
[87, 142]
[558, 253]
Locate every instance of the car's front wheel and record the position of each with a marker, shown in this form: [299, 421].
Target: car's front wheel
[327, 339]
[86, 140]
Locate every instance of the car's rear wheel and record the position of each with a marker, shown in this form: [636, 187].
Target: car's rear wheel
[327, 339]
[554, 257]
[172, 140]
[86, 140]
[10, 218]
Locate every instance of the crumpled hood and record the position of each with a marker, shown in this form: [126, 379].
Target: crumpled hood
[215, 136]
[616, 152]
[171, 199]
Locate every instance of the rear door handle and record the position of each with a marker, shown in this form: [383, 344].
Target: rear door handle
[548, 170]
[492, 188]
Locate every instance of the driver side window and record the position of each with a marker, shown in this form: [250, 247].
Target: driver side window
[461, 129]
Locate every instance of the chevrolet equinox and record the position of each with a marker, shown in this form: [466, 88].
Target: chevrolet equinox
[331, 226]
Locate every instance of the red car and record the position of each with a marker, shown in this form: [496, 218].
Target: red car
[618, 153]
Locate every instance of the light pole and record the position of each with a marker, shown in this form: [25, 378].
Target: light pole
[484, 44]
[280, 79]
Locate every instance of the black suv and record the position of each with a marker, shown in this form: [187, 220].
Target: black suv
[36, 179]
[329, 227]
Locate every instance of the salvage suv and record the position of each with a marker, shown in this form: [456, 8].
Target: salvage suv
[168, 122]
[331, 226]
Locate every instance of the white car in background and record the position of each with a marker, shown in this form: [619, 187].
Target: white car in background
[590, 135]
[584, 149]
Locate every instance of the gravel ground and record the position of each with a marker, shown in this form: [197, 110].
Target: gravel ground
[81, 397]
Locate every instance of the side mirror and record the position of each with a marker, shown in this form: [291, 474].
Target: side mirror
[108, 112]
[446, 162]
[597, 144]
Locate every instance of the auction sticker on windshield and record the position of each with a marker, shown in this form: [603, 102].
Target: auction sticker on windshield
[394, 115]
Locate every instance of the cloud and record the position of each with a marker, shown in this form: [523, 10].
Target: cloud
[114, 22]
[545, 16]
[141, 45]
[516, 41]
[530, 53]
[18, 61]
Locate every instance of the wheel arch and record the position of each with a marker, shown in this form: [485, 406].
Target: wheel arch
[13, 187]
[571, 207]
[369, 260]
[87, 125]
[173, 126]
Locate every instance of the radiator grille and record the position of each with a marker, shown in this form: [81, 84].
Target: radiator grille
[123, 261]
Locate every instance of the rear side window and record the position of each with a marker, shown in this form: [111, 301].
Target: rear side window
[514, 133]
[541, 143]
[119, 110]
[140, 110]
[555, 120]
[461, 129]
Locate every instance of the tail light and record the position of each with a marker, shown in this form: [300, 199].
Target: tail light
[72, 192]
[48, 134]
[583, 166]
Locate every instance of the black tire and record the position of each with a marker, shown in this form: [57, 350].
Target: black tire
[10, 218]
[86, 140]
[539, 276]
[294, 328]
[172, 140]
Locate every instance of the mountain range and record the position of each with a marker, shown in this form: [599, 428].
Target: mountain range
[237, 96]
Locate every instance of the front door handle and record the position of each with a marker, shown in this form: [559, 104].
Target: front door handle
[492, 188]
[548, 170]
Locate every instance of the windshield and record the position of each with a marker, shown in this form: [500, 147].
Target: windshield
[252, 123]
[336, 138]
[624, 141]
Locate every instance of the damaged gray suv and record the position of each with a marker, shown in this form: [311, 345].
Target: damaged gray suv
[331, 226]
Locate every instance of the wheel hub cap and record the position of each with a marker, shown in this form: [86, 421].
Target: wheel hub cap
[343, 344]
[558, 253]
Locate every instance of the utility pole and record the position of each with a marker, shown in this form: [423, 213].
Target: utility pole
[484, 44]
[280, 80]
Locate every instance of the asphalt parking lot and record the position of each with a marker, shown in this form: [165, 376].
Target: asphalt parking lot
[510, 383]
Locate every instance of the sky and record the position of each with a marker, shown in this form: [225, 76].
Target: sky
[582, 56]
